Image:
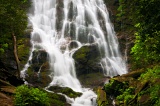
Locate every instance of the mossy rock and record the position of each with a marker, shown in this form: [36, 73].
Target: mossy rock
[130, 80]
[131, 90]
[39, 70]
[134, 74]
[87, 59]
[114, 87]
[39, 56]
[37, 78]
[57, 100]
[65, 90]
[101, 97]
[92, 80]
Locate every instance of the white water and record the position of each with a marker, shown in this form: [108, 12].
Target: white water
[56, 23]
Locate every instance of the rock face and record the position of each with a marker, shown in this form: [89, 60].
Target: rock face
[87, 59]
[38, 72]
[88, 68]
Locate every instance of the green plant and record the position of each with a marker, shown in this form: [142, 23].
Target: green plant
[126, 96]
[28, 96]
[152, 76]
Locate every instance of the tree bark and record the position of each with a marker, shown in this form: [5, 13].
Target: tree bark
[16, 55]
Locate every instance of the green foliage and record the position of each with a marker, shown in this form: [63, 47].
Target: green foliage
[13, 20]
[145, 92]
[26, 96]
[144, 15]
[3, 46]
[23, 53]
[126, 96]
[115, 87]
[153, 76]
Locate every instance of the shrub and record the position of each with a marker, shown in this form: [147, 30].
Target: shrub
[28, 96]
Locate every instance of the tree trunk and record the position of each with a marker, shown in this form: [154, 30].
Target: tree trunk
[15, 54]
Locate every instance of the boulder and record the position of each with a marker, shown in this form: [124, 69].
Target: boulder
[38, 72]
[65, 90]
[101, 97]
[87, 59]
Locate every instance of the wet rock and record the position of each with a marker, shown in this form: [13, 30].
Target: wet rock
[36, 37]
[83, 35]
[87, 59]
[57, 99]
[38, 75]
[72, 11]
[60, 14]
[65, 90]
[92, 80]
[28, 31]
[73, 44]
[38, 72]
[39, 56]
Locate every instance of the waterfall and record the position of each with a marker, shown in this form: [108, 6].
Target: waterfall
[57, 23]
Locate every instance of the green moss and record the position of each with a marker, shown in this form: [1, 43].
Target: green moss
[82, 53]
[152, 90]
[65, 90]
[145, 91]
[72, 94]
[92, 80]
[101, 97]
[56, 99]
[115, 87]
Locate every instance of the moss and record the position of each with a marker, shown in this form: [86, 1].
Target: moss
[87, 59]
[115, 87]
[65, 90]
[72, 94]
[101, 97]
[56, 99]
[82, 54]
[92, 80]
[39, 79]
[143, 91]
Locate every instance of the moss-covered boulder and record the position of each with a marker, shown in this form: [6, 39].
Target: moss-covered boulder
[65, 90]
[87, 59]
[92, 80]
[57, 100]
[101, 97]
[38, 72]
[140, 88]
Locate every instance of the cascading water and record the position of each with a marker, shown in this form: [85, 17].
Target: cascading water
[57, 23]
